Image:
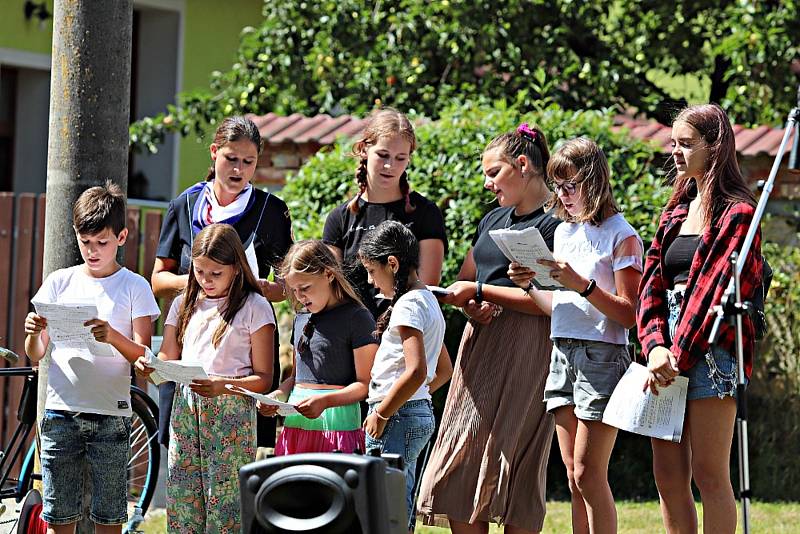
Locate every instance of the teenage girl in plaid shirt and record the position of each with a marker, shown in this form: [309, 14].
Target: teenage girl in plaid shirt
[686, 272]
[599, 261]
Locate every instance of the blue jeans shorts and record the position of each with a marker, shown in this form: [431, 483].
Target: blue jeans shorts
[71, 441]
[713, 376]
[406, 433]
[584, 374]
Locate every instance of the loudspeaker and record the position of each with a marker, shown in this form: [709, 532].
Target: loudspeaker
[330, 493]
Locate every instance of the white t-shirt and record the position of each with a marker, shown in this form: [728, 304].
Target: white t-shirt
[592, 252]
[233, 355]
[80, 382]
[417, 309]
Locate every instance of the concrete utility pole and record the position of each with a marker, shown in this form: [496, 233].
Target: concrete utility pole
[89, 116]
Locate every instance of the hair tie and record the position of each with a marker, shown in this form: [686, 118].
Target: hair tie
[525, 131]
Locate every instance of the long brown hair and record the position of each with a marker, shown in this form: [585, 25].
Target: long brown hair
[383, 122]
[582, 162]
[219, 243]
[234, 129]
[312, 256]
[724, 183]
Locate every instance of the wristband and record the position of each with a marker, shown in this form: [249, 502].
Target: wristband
[379, 416]
[529, 288]
[479, 292]
[588, 291]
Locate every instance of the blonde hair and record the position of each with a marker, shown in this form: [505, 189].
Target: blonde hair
[313, 257]
[583, 163]
[381, 123]
[219, 243]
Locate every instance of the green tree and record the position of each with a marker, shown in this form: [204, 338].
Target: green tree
[347, 55]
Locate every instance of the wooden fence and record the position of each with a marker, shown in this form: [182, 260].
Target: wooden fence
[21, 261]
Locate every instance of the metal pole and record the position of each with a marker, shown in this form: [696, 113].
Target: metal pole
[733, 292]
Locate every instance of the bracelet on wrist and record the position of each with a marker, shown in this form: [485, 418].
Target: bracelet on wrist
[379, 416]
[478, 292]
[588, 291]
[527, 289]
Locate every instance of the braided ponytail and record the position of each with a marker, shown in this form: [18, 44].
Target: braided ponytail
[391, 238]
[361, 180]
[405, 188]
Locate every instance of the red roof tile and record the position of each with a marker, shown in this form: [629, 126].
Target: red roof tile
[323, 130]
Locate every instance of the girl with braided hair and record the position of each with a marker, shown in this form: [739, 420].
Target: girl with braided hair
[383, 151]
[410, 363]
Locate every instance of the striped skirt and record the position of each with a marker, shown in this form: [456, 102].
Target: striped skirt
[489, 462]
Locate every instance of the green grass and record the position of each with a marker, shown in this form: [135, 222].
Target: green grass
[634, 518]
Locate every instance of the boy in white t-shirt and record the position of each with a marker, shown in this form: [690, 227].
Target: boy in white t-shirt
[88, 406]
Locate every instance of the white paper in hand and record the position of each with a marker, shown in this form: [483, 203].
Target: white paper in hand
[174, 370]
[658, 416]
[527, 247]
[65, 327]
[284, 408]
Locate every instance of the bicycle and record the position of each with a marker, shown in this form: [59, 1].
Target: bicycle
[143, 460]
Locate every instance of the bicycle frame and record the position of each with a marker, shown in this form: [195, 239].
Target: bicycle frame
[26, 415]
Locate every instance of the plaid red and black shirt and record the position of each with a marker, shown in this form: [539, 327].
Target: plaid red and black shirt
[709, 276]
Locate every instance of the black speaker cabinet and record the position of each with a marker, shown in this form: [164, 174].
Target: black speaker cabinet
[324, 493]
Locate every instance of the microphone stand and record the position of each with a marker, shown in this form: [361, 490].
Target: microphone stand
[733, 308]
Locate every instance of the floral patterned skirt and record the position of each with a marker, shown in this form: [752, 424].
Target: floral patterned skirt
[210, 440]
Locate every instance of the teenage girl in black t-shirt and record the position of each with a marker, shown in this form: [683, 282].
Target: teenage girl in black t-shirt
[383, 153]
[490, 458]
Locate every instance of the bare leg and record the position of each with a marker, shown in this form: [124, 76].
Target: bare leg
[61, 529]
[566, 430]
[479, 527]
[593, 445]
[672, 469]
[107, 529]
[712, 424]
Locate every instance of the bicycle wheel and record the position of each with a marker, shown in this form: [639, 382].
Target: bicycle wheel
[144, 456]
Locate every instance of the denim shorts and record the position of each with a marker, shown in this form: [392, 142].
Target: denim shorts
[713, 376]
[71, 441]
[406, 433]
[583, 374]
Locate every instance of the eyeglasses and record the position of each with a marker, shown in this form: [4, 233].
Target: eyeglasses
[568, 188]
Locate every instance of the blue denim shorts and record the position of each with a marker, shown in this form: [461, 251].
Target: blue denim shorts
[584, 374]
[713, 376]
[406, 433]
[71, 441]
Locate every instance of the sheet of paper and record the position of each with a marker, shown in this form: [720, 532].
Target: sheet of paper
[284, 408]
[173, 370]
[65, 327]
[439, 291]
[527, 247]
[658, 416]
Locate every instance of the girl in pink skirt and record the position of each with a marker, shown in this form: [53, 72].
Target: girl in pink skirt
[334, 348]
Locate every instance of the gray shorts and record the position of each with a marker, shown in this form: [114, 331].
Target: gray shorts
[583, 374]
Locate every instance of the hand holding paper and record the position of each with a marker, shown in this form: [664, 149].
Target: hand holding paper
[527, 247]
[641, 412]
[173, 370]
[284, 408]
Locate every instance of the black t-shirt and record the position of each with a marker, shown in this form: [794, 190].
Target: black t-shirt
[268, 217]
[345, 230]
[328, 357]
[491, 263]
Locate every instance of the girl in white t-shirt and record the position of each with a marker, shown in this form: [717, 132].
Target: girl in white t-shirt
[411, 361]
[599, 263]
[224, 324]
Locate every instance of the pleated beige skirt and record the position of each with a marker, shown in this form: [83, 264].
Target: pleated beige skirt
[489, 462]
